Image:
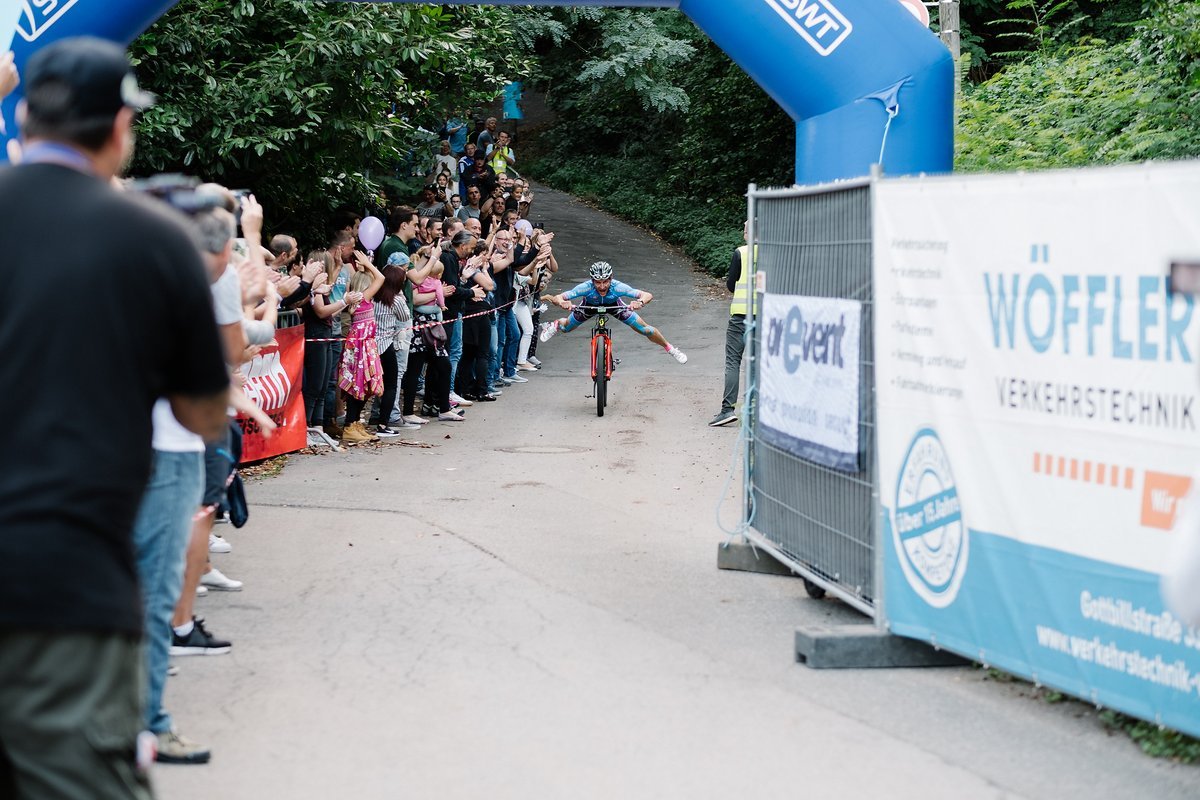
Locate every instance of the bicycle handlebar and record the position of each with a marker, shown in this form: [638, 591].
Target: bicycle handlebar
[548, 298]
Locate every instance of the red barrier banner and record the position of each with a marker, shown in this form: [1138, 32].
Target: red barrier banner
[273, 382]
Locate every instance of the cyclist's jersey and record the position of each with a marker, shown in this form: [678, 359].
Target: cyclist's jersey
[586, 292]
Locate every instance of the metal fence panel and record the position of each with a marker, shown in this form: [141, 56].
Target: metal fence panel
[821, 520]
[288, 319]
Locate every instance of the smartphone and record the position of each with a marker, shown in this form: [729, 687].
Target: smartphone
[238, 196]
[540, 226]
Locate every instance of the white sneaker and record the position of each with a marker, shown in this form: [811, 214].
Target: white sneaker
[461, 401]
[534, 360]
[413, 419]
[677, 354]
[218, 544]
[526, 366]
[215, 579]
[548, 330]
[450, 416]
[515, 378]
[201, 591]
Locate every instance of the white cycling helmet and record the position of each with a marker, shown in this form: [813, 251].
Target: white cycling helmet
[600, 271]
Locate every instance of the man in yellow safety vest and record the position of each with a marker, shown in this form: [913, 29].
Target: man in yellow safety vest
[500, 156]
[738, 282]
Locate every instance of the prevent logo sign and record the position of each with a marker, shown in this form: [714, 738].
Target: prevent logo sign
[817, 21]
[38, 16]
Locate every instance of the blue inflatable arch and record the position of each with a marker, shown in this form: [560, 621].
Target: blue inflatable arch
[865, 82]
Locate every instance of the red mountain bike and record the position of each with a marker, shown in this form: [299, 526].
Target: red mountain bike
[602, 356]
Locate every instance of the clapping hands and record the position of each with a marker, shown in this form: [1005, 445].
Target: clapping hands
[288, 285]
[311, 270]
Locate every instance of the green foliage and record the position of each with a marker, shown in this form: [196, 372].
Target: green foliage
[1091, 102]
[627, 143]
[705, 229]
[639, 59]
[1038, 24]
[1153, 740]
[303, 102]
[1173, 39]
[631, 54]
[999, 32]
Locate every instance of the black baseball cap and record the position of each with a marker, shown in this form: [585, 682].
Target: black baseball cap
[94, 74]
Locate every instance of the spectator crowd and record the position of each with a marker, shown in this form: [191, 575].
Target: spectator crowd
[437, 316]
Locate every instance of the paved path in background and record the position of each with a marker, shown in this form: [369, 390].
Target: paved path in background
[531, 609]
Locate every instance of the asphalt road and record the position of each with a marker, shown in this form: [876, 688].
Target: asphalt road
[531, 608]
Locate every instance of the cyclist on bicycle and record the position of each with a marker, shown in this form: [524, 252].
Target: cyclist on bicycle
[602, 290]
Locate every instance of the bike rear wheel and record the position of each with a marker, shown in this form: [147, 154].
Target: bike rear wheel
[601, 375]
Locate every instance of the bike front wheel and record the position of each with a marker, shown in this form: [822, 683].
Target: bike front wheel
[601, 375]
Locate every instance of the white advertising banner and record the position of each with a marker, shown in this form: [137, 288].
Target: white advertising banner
[808, 377]
[1037, 405]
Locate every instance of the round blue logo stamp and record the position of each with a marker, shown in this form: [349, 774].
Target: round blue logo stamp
[927, 525]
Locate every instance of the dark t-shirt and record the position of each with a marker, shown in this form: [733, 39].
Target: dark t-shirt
[451, 274]
[485, 179]
[504, 280]
[314, 326]
[92, 334]
[483, 141]
[394, 244]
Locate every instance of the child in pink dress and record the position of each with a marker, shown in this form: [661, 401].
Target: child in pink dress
[360, 374]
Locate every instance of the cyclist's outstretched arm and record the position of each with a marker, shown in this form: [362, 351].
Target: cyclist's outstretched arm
[564, 300]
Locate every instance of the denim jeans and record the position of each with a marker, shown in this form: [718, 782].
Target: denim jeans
[493, 355]
[316, 374]
[454, 347]
[508, 335]
[160, 539]
[331, 387]
[401, 368]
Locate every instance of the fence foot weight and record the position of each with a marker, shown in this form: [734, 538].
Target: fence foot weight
[865, 647]
[743, 557]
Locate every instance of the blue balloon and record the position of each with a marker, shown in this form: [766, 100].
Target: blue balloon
[865, 82]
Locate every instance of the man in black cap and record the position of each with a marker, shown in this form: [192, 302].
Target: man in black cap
[136, 325]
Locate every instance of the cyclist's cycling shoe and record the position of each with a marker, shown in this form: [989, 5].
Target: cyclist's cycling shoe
[548, 330]
[677, 354]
